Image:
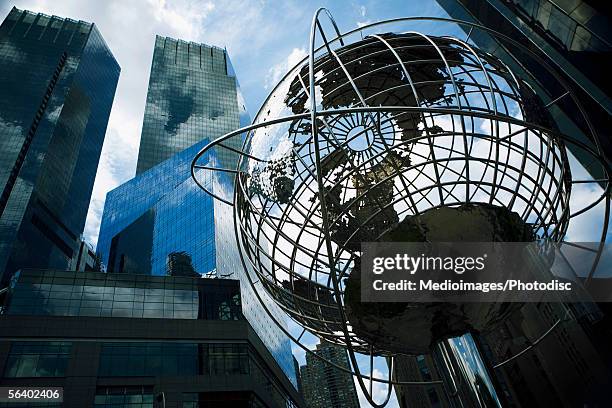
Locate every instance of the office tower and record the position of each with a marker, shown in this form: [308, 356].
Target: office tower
[57, 84]
[191, 89]
[324, 385]
[119, 340]
[573, 37]
[160, 222]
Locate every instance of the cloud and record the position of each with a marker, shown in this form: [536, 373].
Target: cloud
[361, 12]
[277, 71]
[184, 18]
[586, 227]
[379, 391]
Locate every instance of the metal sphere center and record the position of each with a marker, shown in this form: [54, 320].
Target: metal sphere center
[360, 138]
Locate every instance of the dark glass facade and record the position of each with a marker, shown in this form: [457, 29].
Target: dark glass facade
[57, 84]
[35, 359]
[57, 293]
[133, 359]
[418, 368]
[569, 366]
[573, 36]
[124, 397]
[123, 340]
[160, 222]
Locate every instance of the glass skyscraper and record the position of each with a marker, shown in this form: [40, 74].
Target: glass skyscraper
[191, 89]
[57, 84]
[161, 222]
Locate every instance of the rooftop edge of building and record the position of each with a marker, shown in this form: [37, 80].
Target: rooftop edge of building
[16, 15]
[182, 41]
[16, 10]
[192, 55]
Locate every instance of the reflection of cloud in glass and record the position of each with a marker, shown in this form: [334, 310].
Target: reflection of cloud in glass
[180, 107]
[13, 54]
[6, 128]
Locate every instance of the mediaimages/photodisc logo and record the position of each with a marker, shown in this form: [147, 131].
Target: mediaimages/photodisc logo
[414, 264]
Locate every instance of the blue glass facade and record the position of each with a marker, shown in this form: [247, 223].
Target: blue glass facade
[161, 222]
[57, 84]
[167, 212]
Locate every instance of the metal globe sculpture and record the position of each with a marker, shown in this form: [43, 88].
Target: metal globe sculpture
[396, 136]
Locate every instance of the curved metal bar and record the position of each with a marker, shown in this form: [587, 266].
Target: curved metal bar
[470, 24]
[306, 217]
[407, 109]
[530, 346]
[495, 112]
[402, 65]
[416, 98]
[456, 90]
[327, 126]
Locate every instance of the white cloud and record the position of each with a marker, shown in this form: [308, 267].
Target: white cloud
[588, 226]
[379, 391]
[184, 18]
[277, 71]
